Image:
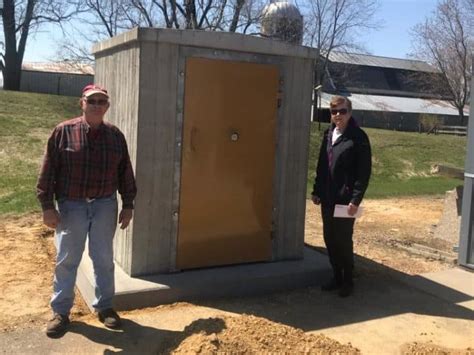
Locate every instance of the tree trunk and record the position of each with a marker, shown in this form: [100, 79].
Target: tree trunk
[11, 75]
[461, 116]
[235, 18]
[12, 62]
[190, 8]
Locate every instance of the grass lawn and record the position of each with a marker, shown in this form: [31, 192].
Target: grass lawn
[26, 120]
[401, 161]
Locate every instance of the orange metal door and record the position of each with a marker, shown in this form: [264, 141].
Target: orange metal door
[227, 166]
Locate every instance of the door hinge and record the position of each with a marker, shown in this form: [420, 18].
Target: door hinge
[279, 98]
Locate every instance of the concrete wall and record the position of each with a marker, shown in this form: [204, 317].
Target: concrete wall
[292, 158]
[155, 235]
[119, 73]
[144, 72]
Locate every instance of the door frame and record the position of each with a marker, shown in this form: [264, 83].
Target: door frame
[190, 52]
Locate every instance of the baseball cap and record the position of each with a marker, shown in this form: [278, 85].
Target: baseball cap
[94, 89]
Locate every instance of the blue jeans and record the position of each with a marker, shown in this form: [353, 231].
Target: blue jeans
[79, 219]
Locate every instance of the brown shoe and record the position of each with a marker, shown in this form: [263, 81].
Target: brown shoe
[110, 318]
[57, 325]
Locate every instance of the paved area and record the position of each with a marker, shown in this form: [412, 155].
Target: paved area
[383, 314]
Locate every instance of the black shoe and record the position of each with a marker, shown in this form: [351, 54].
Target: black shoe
[332, 285]
[346, 290]
[110, 318]
[57, 325]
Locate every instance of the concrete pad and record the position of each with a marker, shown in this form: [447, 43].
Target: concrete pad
[236, 280]
[454, 285]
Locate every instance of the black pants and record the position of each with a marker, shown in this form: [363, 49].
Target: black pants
[337, 234]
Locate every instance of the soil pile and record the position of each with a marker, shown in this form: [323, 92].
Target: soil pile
[26, 273]
[432, 349]
[248, 334]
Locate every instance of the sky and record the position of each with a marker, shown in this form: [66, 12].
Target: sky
[392, 40]
[398, 16]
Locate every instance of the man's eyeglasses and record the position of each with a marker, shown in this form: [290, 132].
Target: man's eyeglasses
[342, 111]
[100, 102]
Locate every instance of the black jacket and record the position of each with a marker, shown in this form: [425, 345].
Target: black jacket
[347, 177]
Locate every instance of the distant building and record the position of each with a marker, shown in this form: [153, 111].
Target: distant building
[386, 92]
[59, 78]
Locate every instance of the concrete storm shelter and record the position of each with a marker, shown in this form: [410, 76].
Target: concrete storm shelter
[218, 130]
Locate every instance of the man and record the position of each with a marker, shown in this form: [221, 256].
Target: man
[85, 163]
[342, 176]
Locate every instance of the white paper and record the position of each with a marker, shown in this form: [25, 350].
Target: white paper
[341, 211]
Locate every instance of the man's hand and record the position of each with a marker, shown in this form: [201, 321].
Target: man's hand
[352, 210]
[316, 200]
[51, 218]
[125, 217]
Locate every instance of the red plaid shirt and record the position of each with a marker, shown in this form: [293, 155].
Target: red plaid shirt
[80, 163]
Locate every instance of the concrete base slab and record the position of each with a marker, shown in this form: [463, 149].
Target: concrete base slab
[454, 285]
[232, 281]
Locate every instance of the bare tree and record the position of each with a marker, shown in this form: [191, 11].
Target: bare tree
[446, 41]
[334, 25]
[99, 20]
[20, 18]
[251, 16]
[222, 15]
[107, 18]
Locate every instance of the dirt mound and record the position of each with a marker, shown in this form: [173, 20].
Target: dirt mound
[26, 272]
[432, 349]
[253, 335]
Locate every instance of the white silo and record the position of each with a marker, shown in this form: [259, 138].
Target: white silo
[282, 20]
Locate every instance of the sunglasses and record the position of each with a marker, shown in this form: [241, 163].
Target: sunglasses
[342, 111]
[100, 102]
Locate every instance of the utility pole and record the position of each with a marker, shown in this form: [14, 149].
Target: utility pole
[317, 107]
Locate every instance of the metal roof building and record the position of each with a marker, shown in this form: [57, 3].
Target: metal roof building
[397, 104]
[386, 92]
[59, 78]
[377, 61]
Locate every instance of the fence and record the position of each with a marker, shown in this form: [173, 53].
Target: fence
[455, 130]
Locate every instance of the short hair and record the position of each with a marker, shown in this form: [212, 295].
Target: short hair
[337, 100]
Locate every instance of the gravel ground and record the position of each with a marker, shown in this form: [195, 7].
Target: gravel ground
[449, 224]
